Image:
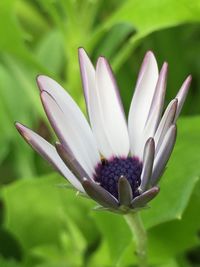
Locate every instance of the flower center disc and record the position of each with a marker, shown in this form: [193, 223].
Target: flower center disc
[108, 172]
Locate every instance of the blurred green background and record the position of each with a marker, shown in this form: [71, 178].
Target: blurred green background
[43, 224]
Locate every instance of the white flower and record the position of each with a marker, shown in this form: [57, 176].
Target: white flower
[115, 163]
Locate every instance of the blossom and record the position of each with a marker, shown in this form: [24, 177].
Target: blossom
[117, 164]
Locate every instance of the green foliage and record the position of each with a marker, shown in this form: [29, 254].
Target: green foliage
[45, 225]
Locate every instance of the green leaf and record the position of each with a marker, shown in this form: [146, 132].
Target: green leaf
[49, 218]
[182, 232]
[171, 263]
[10, 263]
[153, 15]
[101, 257]
[14, 36]
[115, 232]
[149, 16]
[50, 52]
[113, 40]
[9, 246]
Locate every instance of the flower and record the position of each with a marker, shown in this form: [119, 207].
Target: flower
[118, 164]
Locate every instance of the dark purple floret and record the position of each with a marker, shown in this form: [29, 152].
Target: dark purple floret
[108, 173]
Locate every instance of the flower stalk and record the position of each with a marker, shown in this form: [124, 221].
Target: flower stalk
[139, 235]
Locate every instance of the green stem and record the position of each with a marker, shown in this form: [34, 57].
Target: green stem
[139, 234]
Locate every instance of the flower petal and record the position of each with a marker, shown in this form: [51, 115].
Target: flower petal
[112, 111]
[148, 159]
[68, 157]
[68, 133]
[124, 191]
[156, 105]
[141, 102]
[163, 154]
[99, 194]
[166, 121]
[87, 75]
[144, 198]
[171, 113]
[93, 104]
[181, 96]
[48, 152]
[72, 116]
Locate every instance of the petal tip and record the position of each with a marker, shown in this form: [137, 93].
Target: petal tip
[101, 60]
[81, 52]
[41, 79]
[155, 189]
[186, 83]
[165, 66]
[81, 49]
[16, 123]
[20, 127]
[149, 61]
[23, 131]
[150, 55]
[38, 77]
[189, 79]
[151, 142]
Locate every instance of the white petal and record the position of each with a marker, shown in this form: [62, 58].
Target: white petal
[72, 117]
[48, 152]
[68, 133]
[181, 96]
[111, 108]
[87, 74]
[163, 154]
[93, 104]
[165, 123]
[141, 102]
[104, 107]
[156, 105]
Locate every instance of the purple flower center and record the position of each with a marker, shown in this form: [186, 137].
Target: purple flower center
[108, 172]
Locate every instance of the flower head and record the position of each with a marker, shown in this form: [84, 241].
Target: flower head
[118, 164]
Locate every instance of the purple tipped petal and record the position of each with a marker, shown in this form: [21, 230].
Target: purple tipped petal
[72, 117]
[99, 194]
[157, 104]
[141, 103]
[111, 109]
[93, 104]
[68, 135]
[181, 96]
[163, 154]
[148, 159]
[48, 152]
[166, 121]
[144, 198]
[71, 162]
[144, 66]
[124, 191]
[87, 74]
